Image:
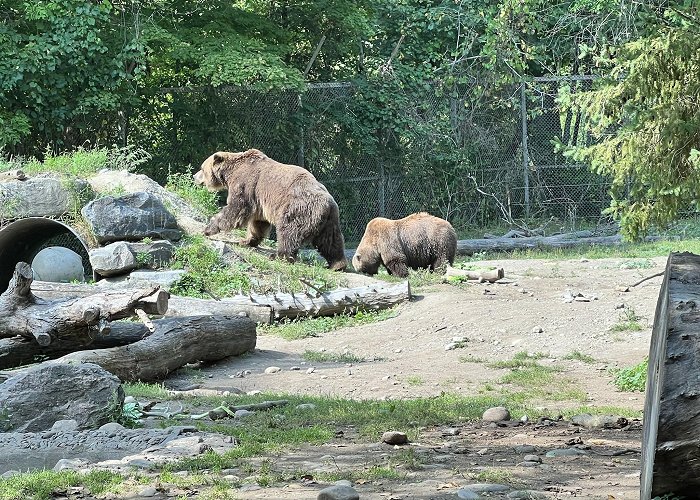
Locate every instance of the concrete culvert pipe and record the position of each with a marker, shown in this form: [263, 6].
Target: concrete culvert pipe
[21, 240]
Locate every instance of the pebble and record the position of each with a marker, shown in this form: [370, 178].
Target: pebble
[254, 392]
[272, 369]
[537, 329]
[310, 370]
[394, 437]
[149, 491]
[69, 463]
[524, 448]
[532, 458]
[466, 494]
[65, 425]
[564, 452]
[239, 414]
[338, 492]
[295, 368]
[496, 414]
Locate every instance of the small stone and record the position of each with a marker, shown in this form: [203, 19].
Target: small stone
[524, 448]
[129, 399]
[532, 458]
[394, 437]
[65, 425]
[526, 495]
[69, 463]
[254, 392]
[537, 329]
[239, 414]
[343, 482]
[467, 494]
[524, 419]
[272, 369]
[295, 368]
[338, 492]
[528, 464]
[9, 474]
[496, 414]
[310, 370]
[149, 491]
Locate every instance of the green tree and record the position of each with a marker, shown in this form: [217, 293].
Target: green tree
[64, 73]
[645, 117]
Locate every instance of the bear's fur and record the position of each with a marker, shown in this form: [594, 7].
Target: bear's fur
[263, 192]
[418, 241]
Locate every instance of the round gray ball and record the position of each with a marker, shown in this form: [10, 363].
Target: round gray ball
[58, 264]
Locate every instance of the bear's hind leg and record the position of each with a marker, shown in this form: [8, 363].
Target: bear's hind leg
[258, 230]
[288, 244]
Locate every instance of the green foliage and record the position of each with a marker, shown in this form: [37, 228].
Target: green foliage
[633, 378]
[628, 321]
[645, 121]
[579, 356]
[201, 199]
[326, 357]
[40, 485]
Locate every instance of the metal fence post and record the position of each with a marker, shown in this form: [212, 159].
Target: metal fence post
[526, 156]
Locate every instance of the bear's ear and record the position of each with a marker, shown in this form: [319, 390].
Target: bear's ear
[218, 158]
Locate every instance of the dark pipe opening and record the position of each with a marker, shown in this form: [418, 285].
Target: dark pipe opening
[21, 240]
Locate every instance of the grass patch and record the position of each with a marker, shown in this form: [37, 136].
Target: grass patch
[579, 356]
[208, 275]
[521, 359]
[145, 391]
[415, 380]
[327, 357]
[628, 321]
[633, 378]
[200, 198]
[469, 358]
[40, 485]
[295, 329]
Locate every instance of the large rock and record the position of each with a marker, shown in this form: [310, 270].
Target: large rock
[33, 400]
[113, 259]
[38, 197]
[188, 218]
[58, 264]
[133, 216]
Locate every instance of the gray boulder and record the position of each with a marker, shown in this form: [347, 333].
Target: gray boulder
[154, 255]
[38, 197]
[59, 265]
[35, 399]
[133, 216]
[113, 259]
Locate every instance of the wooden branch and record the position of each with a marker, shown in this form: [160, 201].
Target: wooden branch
[185, 340]
[23, 313]
[489, 275]
[186, 306]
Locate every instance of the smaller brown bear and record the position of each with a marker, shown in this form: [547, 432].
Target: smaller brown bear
[418, 241]
[263, 192]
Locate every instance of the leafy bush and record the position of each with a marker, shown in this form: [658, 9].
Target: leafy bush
[199, 198]
[633, 378]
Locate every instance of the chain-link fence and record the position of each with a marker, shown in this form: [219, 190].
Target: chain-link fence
[473, 163]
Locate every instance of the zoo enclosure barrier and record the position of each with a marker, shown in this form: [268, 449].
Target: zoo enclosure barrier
[472, 163]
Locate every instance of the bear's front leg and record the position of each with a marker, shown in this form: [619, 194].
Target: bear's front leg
[397, 267]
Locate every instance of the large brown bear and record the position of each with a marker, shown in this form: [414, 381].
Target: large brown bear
[263, 192]
[418, 241]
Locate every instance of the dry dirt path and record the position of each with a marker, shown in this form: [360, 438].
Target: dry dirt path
[406, 358]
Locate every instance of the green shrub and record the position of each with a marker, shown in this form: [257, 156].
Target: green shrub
[633, 378]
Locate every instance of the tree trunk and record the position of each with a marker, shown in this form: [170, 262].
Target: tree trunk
[23, 313]
[671, 442]
[176, 342]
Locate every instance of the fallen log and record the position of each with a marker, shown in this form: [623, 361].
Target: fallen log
[23, 313]
[342, 300]
[670, 442]
[263, 307]
[176, 342]
[177, 306]
[489, 275]
[567, 240]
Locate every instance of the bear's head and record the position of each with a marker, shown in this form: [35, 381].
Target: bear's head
[367, 258]
[211, 173]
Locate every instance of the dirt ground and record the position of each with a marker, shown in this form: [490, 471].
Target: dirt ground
[406, 358]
